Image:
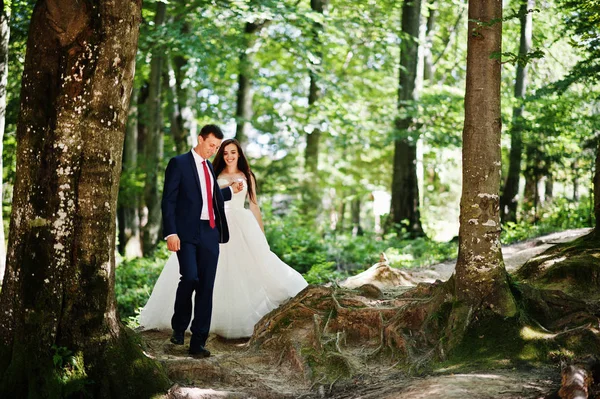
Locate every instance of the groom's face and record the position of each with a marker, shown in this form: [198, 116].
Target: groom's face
[207, 147]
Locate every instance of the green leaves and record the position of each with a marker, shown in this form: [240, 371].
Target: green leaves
[518, 59]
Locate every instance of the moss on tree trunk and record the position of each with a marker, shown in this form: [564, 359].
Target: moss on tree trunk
[59, 331]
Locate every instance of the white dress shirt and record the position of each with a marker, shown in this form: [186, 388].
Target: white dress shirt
[200, 167]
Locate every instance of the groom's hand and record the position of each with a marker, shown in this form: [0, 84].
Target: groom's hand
[173, 243]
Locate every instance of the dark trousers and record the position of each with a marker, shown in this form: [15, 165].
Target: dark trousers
[198, 267]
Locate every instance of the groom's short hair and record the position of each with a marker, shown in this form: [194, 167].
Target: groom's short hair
[214, 129]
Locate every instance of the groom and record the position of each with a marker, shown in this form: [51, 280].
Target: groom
[194, 224]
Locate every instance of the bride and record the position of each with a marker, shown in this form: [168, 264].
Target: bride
[251, 280]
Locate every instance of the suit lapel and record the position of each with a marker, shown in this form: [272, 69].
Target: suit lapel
[212, 171]
[215, 183]
[195, 173]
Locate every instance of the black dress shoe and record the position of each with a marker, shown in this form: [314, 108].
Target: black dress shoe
[199, 353]
[177, 338]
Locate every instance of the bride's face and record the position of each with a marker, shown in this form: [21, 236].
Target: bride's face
[230, 154]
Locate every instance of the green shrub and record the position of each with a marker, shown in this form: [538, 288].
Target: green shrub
[322, 257]
[329, 256]
[323, 273]
[559, 215]
[293, 241]
[135, 278]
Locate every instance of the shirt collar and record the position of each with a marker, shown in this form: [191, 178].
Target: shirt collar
[197, 157]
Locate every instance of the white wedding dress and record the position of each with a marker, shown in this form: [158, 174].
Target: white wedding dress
[250, 281]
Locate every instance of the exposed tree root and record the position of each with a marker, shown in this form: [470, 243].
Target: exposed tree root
[577, 378]
[332, 333]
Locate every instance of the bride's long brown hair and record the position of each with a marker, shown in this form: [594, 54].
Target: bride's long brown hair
[242, 164]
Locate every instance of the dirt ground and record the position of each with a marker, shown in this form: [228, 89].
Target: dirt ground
[236, 371]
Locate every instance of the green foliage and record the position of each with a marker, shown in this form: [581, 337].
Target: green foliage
[295, 242]
[336, 256]
[70, 370]
[135, 279]
[561, 214]
[322, 273]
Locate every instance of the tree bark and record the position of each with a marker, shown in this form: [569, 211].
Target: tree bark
[405, 189]
[480, 277]
[313, 138]
[311, 196]
[130, 243]
[428, 65]
[533, 173]
[153, 143]
[4, 36]
[186, 118]
[58, 296]
[355, 207]
[597, 190]
[178, 131]
[244, 111]
[341, 219]
[548, 186]
[576, 176]
[509, 199]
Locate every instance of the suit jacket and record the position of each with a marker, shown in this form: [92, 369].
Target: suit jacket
[182, 200]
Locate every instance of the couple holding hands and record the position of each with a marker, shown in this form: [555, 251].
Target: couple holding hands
[222, 270]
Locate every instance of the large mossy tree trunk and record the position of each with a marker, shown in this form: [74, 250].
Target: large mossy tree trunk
[60, 334]
[405, 188]
[508, 200]
[153, 142]
[480, 276]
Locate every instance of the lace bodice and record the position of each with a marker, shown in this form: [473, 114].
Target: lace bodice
[237, 201]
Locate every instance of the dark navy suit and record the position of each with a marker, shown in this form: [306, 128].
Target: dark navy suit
[199, 253]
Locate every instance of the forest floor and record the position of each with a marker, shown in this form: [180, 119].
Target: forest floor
[235, 371]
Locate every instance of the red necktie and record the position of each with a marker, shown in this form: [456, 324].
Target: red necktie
[211, 211]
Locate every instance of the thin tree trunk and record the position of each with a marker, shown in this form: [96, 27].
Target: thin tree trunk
[311, 195]
[534, 171]
[153, 143]
[428, 65]
[243, 113]
[548, 180]
[405, 189]
[509, 199]
[480, 276]
[244, 109]
[576, 177]
[342, 216]
[58, 295]
[549, 188]
[313, 138]
[4, 36]
[597, 190]
[130, 243]
[356, 228]
[180, 135]
[187, 118]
